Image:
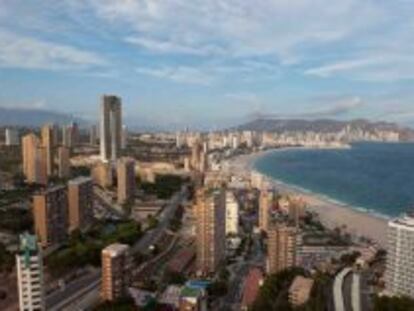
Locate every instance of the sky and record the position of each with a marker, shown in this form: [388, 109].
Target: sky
[210, 63]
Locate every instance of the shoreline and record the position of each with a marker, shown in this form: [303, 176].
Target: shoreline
[331, 212]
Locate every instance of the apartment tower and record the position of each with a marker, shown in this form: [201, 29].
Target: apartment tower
[266, 199]
[48, 144]
[116, 274]
[126, 180]
[50, 208]
[110, 128]
[80, 199]
[281, 248]
[399, 275]
[210, 214]
[64, 162]
[29, 266]
[34, 160]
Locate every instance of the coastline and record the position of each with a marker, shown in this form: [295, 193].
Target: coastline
[331, 213]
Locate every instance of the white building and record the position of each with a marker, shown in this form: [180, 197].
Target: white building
[232, 214]
[30, 274]
[12, 137]
[399, 274]
[124, 139]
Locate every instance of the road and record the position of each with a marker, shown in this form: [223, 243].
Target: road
[89, 285]
[152, 236]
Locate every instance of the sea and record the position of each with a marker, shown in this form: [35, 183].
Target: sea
[372, 177]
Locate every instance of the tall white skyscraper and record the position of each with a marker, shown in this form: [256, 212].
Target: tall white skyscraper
[110, 127]
[30, 274]
[399, 275]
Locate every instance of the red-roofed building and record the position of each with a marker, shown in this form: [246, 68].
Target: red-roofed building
[251, 288]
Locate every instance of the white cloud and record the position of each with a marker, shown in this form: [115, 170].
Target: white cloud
[180, 74]
[18, 51]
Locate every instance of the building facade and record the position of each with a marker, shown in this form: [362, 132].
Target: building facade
[232, 214]
[50, 209]
[110, 128]
[265, 205]
[399, 275]
[281, 248]
[29, 266]
[210, 229]
[126, 180]
[80, 199]
[34, 160]
[116, 274]
[11, 137]
[63, 162]
[48, 143]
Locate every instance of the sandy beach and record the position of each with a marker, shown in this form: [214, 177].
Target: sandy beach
[332, 214]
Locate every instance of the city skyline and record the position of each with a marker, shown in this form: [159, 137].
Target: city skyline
[209, 64]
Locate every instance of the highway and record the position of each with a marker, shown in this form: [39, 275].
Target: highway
[337, 289]
[86, 288]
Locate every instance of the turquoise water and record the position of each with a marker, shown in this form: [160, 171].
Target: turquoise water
[376, 177]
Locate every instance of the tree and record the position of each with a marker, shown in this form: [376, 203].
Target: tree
[393, 304]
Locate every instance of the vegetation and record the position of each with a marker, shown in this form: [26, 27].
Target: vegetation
[83, 250]
[393, 304]
[6, 259]
[273, 295]
[16, 221]
[10, 159]
[152, 221]
[124, 304]
[164, 186]
[172, 277]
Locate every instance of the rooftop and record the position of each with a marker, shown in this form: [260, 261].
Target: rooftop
[407, 220]
[115, 249]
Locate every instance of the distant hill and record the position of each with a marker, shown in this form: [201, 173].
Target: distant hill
[33, 117]
[323, 126]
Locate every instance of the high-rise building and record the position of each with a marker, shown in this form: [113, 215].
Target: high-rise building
[11, 137]
[48, 144]
[196, 151]
[92, 135]
[34, 160]
[80, 199]
[399, 275]
[50, 208]
[116, 274]
[102, 174]
[126, 180]
[124, 140]
[281, 248]
[110, 127]
[210, 212]
[64, 162]
[265, 205]
[29, 266]
[232, 214]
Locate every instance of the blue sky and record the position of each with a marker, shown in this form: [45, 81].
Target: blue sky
[210, 63]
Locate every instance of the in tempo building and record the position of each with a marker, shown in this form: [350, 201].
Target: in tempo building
[399, 275]
[50, 208]
[281, 248]
[126, 180]
[29, 266]
[80, 198]
[210, 215]
[110, 127]
[116, 274]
